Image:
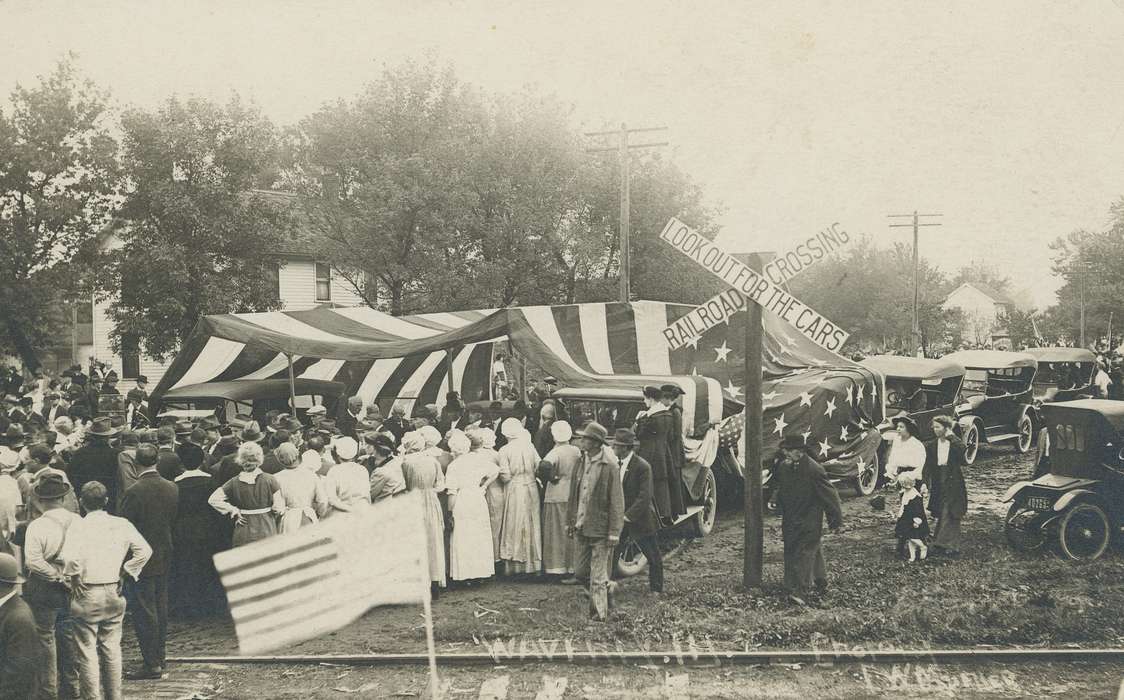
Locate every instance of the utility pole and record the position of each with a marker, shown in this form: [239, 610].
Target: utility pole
[915, 332]
[623, 149]
[1083, 268]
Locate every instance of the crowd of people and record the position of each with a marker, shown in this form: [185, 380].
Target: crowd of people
[103, 514]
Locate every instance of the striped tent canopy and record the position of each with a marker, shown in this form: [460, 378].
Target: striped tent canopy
[385, 358]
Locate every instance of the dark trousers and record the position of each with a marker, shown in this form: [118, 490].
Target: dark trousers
[150, 617]
[650, 547]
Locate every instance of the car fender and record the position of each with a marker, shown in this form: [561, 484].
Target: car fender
[968, 421]
[1070, 496]
[1014, 490]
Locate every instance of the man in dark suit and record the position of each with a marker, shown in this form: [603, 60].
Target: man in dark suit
[168, 462]
[96, 460]
[20, 649]
[350, 416]
[151, 505]
[272, 465]
[640, 524]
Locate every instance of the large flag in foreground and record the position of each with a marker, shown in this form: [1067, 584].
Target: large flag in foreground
[294, 587]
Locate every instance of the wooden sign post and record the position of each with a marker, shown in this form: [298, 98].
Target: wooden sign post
[754, 543]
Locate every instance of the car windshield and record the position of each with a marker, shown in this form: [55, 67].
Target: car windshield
[913, 396]
[1064, 375]
[611, 414]
[994, 382]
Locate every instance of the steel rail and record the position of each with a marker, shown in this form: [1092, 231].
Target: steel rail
[693, 656]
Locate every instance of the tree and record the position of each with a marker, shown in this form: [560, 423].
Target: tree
[1022, 326]
[58, 181]
[195, 226]
[981, 273]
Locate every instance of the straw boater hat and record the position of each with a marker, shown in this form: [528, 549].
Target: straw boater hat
[595, 431]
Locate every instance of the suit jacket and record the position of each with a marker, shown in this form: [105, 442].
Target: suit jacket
[946, 484]
[127, 472]
[20, 651]
[168, 464]
[271, 465]
[151, 505]
[636, 484]
[94, 462]
[806, 495]
[347, 423]
[604, 516]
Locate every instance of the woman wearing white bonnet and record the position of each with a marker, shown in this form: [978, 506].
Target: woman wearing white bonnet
[347, 483]
[521, 536]
[557, 467]
[468, 476]
[304, 499]
[422, 473]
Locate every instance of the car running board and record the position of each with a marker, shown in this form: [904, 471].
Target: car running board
[1002, 437]
[691, 512]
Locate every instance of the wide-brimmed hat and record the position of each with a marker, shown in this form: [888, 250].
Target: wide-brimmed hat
[9, 570]
[209, 423]
[184, 427]
[793, 441]
[51, 486]
[624, 437]
[595, 431]
[327, 427]
[252, 432]
[317, 410]
[102, 428]
[909, 422]
[13, 436]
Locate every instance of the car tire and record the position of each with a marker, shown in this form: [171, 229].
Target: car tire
[630, 560]
[1025, 430]
[1084, 532]
[971, 444]
[867, 481]
[703, 522]
[1020, 540]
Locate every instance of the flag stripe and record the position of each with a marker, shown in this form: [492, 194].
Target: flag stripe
[230, 566]
[371, 389]
[592, 329]
[278, 566]
[393, 325]
[289, 576]
[651, 347]
[216, 356]
[330, 321]
[279, 362]
[411, 390]
[621, 322]
[251, 609]
[568, 321]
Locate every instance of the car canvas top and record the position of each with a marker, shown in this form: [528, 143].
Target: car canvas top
[991, 359]
[913, 367]
[1061, 354]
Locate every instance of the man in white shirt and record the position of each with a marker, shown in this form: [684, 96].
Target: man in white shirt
[907, 453]
[43, 544]
[100, 551]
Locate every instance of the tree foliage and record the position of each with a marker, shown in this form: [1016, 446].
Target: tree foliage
[195, 226]
[58, 184]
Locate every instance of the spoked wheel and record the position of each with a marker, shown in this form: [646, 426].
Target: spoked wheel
[1026, 434]
[1084, 532]
[631, 560]
[1021, 537]
[867, 480]
[971, 444]
[703, 521]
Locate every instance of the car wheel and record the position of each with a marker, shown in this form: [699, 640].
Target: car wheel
[631, 560]
[971, 444]
[1084, 532]
[1026, 434]
[867, 480]
[703, 522]
[1021, 539]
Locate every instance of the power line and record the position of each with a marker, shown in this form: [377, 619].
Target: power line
[623, 148]
[916, 224]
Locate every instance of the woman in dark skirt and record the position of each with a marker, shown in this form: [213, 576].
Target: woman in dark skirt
[196, 535]
[654, 428]
[948, 494]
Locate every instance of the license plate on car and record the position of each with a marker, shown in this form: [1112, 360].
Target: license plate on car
[1038, 503]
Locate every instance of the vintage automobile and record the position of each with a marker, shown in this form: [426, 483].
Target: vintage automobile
[255, 397]
[1064, 374]
[996, 404]
[1079, 503]
[617, 408]
[918, 387]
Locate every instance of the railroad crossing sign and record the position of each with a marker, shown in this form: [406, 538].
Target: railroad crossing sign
[752, 285]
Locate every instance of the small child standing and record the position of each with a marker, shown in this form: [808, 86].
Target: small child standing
[912, 527]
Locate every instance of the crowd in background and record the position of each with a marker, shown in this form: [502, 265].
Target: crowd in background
[101, 513]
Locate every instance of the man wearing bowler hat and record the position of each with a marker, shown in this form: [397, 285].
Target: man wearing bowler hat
[96, 460]
[20, 651]
[595, 515]
[640, 522]
[805, 495]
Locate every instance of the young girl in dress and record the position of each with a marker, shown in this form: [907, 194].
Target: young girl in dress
[912, 528]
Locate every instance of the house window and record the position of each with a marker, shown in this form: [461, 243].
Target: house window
[323, 282]
[130, 357]
[273, 277]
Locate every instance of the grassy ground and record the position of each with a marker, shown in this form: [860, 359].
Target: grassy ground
[990, 596]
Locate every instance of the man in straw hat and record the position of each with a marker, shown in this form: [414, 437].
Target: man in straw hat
[45, 590]
[596, 515]
[806, 495]
[640, 522]
[20, 650]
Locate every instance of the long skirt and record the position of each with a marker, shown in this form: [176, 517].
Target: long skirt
[521, 538]
[946, 533]
[258, 526]
[557, 548]
[470, 545]
[435, 535]
[497, 499]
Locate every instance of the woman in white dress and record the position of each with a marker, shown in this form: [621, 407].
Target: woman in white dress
[470, 547]
[422, 473]
[561, 462]
[497, 490]
[347, 482]
[304, 500]
[521, 535]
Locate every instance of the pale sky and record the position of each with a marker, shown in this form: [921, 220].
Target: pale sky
[1006, 117]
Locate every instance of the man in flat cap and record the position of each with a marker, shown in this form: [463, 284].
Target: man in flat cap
[805, 495]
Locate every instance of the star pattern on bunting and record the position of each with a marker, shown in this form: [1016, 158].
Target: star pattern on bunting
[770, 396]
[806, 398]
[779, 425]
[733, 390]
[723, 350]
[824, 448]
[830, 408]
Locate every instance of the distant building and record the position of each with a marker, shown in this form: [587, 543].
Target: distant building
[303, 281]
[983, 309]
